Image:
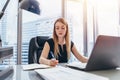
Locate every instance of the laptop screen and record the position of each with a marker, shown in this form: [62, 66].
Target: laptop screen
[105, 54]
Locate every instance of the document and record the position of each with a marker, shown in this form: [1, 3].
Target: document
[35, 66]
[64, 73]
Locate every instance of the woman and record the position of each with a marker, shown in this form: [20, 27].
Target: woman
[60, 46]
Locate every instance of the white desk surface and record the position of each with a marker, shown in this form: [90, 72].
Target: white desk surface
[19, 74]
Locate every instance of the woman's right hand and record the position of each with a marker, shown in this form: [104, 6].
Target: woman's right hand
[53, 62]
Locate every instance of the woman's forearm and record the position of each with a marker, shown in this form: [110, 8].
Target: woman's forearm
[81, 58]
[43, 60]
[84, 60]
[51, 62]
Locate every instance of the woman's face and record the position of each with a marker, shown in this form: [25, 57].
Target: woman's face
[60, 29]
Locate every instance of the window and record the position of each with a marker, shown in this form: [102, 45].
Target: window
[8, 27]
[74, 15]
[103, 19]
[39, 25]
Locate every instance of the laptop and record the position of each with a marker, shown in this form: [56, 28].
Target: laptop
[105, 55]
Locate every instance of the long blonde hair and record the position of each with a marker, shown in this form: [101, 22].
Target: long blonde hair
[67, 38]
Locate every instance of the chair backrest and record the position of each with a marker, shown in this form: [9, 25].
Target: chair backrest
[36, 45]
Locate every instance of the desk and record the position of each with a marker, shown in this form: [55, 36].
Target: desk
[5, 53]
[111, 74]
[19, 74]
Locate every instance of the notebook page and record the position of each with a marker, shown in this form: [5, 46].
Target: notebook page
[34, 66]
[63, 73]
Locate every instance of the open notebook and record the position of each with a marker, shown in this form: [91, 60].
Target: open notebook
[34, 66]
[64, 73]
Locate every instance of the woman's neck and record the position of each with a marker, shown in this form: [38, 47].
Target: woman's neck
[61, 41]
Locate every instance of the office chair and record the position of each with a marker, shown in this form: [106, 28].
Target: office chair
[36, 45]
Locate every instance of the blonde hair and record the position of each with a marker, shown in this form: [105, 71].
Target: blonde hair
[67, 38]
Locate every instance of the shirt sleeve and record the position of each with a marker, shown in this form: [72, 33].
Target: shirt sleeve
[72, 44]
[51, 43]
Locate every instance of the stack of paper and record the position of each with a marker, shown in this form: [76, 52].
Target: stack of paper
[63, 73]
[35, 66]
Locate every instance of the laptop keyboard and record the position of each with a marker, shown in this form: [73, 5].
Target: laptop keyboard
[77, 65]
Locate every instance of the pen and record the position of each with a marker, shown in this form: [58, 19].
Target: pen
[52, 54]
[54, 61]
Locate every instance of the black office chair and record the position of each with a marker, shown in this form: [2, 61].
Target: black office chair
[35, 48]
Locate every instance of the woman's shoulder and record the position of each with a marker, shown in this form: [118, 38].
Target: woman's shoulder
[50, 41]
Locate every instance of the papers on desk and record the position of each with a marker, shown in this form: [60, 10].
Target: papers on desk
[63, 73]
[35, 66]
